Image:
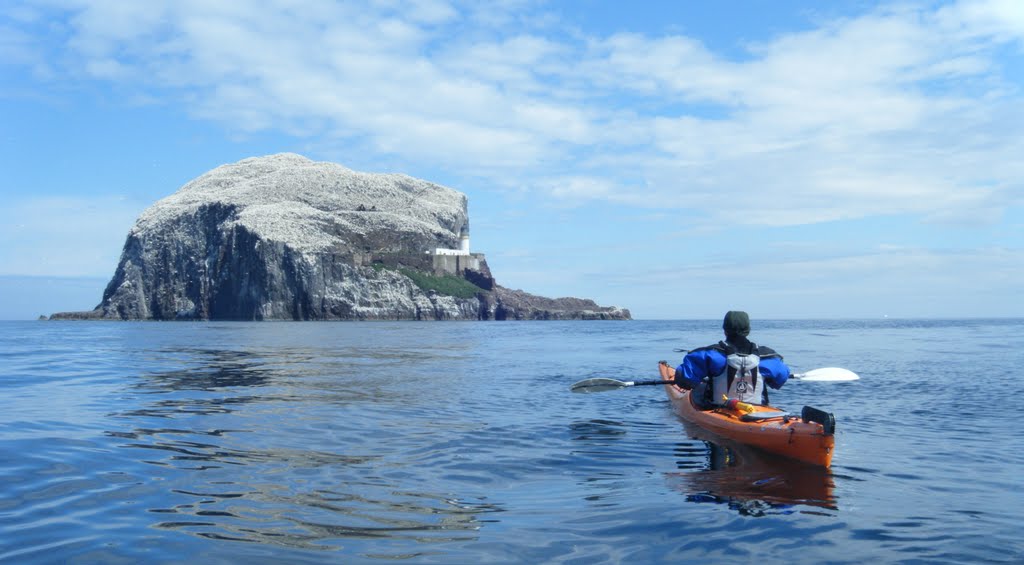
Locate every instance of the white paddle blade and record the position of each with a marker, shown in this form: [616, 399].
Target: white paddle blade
[828, 374]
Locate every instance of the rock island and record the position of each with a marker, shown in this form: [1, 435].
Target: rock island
[283, 237]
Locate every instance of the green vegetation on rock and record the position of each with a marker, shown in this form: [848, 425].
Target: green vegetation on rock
[448, 285]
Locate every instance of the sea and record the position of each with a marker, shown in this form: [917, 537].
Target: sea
[460, 442]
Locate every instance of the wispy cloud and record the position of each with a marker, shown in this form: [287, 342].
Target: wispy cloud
[927, 281]
[909, 109]
[859, 116]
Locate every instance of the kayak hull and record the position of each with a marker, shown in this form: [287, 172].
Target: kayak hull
[768, 428]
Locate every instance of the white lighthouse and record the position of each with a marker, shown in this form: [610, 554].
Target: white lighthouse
[464, 240]
[460, 260]
[463, 248]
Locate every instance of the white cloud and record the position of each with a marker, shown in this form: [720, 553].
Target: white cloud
[902, 109]
[15, 46]
[581, 188]
[999, 20]
[927, 282]
[431, 11]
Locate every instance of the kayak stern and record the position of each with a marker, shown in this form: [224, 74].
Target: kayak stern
[767, 428]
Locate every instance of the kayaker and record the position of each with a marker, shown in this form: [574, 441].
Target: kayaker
[735, 368]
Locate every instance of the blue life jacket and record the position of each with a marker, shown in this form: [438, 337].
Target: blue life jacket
[740, 376]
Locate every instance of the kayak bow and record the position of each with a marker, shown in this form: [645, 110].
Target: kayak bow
[804, 438]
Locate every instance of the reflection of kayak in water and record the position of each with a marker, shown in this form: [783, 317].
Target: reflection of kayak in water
[751, 480]
[763, 427]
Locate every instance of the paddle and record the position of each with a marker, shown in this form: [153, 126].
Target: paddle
[823, 375]
[602, 384]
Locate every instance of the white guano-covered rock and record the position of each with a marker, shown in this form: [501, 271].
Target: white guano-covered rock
[285, 237]
[307, 204]
[282, 237]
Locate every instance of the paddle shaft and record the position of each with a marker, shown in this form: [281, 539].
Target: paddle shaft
[828, 374]
[793, 376]
[655, 382]
[672, 382]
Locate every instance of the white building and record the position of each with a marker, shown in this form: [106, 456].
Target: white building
[463, 244]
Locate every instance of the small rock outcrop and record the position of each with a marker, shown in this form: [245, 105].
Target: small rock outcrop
[286, 238]
[518, 305]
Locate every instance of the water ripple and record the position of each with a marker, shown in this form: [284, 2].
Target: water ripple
[442, 443]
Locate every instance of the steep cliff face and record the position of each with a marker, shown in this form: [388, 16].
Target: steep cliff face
[286, 238]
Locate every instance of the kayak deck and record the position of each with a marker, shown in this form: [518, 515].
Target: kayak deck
[767, 428]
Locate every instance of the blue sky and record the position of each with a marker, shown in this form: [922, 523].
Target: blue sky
[794, 159]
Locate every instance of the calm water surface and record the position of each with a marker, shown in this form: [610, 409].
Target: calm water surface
[460, 443]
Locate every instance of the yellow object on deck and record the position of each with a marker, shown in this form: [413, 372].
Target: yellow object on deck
[737, 405]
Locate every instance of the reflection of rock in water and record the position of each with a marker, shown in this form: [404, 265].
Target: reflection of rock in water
[216, 369]
[185, 390]
[750, 481]
[221, 492]
[201, 427]
[596, 429]
[323, 519]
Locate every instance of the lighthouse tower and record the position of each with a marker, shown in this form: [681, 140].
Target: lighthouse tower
[464, 240]
[460, 261]
[462, 249]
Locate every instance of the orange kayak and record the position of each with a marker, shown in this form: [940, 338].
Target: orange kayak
[766, 428]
